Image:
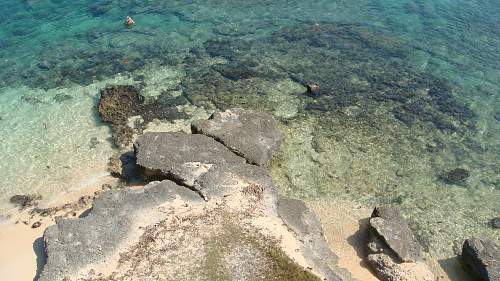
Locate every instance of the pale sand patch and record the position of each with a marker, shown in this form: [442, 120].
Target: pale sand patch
[345, 226]
[22, 246]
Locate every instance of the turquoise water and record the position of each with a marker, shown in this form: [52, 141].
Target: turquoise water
[409, 91]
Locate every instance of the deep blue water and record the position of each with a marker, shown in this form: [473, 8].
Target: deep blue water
[411, 92]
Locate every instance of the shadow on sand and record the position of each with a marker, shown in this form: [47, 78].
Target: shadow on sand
[41, 258]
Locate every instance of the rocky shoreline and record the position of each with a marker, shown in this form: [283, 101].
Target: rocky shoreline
[209, 210]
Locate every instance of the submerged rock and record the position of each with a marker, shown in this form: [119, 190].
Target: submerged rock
[23, 201]
[119, 102]
[457, 176]
[253, 135]
[495, 222]
[482, 259]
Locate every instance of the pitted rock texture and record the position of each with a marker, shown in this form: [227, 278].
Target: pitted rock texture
[74, 243]
[389, 229]
[197, 161]
[389, 270]
[253, 135]
[119, 102]
[482, 259]
[393, 251]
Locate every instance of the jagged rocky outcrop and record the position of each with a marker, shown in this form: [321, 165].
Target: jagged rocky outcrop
[72, 244]
[196, 161]
[393, 251]
[118, 103]
[253, 135]
[238, 229]
[482, 259]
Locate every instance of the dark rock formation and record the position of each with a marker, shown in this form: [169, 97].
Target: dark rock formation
[253, 135]
[456, 176]
[119, 102]
[354, 66]
[495, 222]
[482, 259]
[72, 244]
[24, 201]
[197, 161]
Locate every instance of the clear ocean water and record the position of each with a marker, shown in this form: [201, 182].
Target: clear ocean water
[408, 111]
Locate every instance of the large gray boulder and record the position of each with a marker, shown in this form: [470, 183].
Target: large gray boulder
[390, 233]
[253, 135]
[72, 244]
[196, 161]
[482, 258]
[393, 251]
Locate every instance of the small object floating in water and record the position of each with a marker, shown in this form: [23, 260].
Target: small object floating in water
[129, 21]
[312, 88]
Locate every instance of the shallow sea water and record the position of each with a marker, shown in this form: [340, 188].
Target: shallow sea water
[410, 90]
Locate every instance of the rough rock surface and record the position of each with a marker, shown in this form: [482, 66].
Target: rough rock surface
[393, 251]
[197, 161]
[389, 270]
[388, 225]
[253, 135]
[167, 231]
[119, 102]
[482, 259]
[74, 243]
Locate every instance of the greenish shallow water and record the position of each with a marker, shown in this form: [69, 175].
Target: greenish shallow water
[410, 91]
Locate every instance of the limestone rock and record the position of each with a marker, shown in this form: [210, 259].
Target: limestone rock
[197, 161]
[253, 135]
[72, 244]
[119, 102]
[482, 259]
[389, 270]
[393, 251]
[391, 234]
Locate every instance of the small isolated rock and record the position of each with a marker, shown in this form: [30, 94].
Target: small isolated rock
[482, 259]
[115, 166]
[24, 201]
[253, 135]
[36, 224]
[457, 176]
[313, 88]
[495, 222]
[389, 270]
